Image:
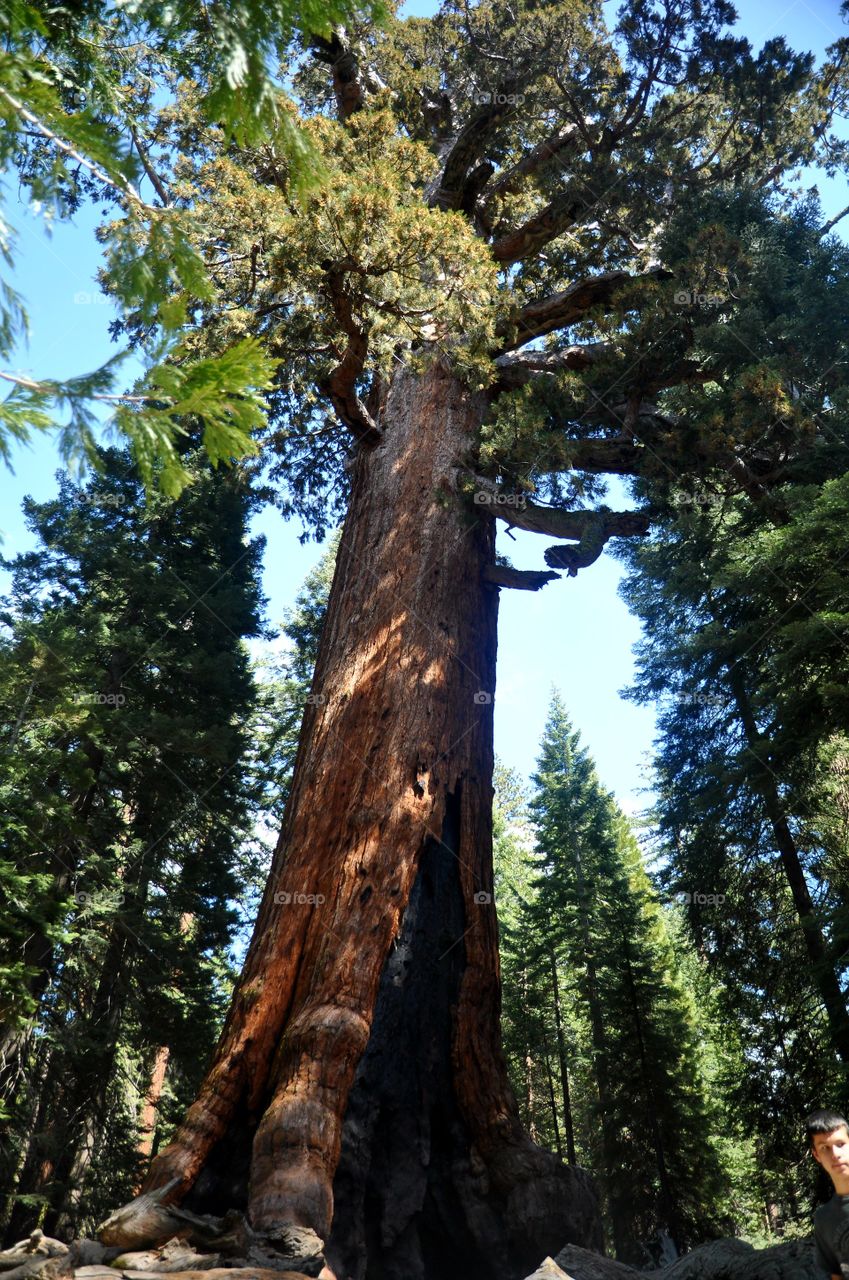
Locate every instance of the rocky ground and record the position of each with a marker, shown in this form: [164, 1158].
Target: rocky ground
[721, 1260]
[224, 1249]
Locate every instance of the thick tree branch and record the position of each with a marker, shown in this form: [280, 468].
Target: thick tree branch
[591, 529]
[503, 575]
[469, 146]
[615, 457]
[832, 222]
[340, 385]
[526, 240]
[568, 307]
[516, 369]
[558, 523]
[350, 80]
[553, 147]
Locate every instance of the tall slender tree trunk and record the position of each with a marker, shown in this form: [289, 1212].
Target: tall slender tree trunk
[39, 954]
[667, 1199]
[14, 1167]
[552, 1096]
[598, 1038]
[561, 1055]
[530, 1100]
[359, 1086]
[85, 1103]
[37, 1165]
[150, 1104]
[823, 972]
[84, 1063]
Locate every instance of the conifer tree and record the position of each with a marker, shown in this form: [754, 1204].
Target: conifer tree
[657, 1157]
[745, 814]
[127, 691]
[534, 1009]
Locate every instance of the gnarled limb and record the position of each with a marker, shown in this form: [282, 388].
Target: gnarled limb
[551, 148]
[550, 222]
[502, 575]
[350, 80]
[517, 368]
[570, 305]
[591, 529]
[469, 146]
[340, 386]
[557, 522]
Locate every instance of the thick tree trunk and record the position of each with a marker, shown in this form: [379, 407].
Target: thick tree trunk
[360, 1063]
[78, 1122]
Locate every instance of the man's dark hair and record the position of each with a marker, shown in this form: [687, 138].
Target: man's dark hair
[823, 1122]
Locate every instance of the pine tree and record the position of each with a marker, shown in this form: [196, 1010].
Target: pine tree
[744, 608]
[534, 1017]
[657, 1158]
[129, 803]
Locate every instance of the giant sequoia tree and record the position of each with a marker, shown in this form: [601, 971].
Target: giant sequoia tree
[519, 245]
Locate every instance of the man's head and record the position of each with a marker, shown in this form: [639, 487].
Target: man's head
[828, 1134]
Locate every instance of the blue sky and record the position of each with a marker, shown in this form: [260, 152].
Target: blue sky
[575, 634]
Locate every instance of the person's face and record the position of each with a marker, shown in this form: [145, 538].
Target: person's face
[831, 1150]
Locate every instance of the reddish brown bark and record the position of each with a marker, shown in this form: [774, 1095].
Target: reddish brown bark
[150, 1107]
[392, 790]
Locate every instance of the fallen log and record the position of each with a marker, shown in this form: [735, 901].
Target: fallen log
[217, 1273]
[174, 1255]
[37, 1245]
[57, 1267]
[144, 1221]
[791, 1261]
[90, 1253]
[147, 1223]
[581, 1264]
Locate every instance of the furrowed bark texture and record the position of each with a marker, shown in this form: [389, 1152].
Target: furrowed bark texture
[366, 1021]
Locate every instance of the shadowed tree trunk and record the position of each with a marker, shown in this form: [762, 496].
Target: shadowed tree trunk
[823, 972]
[150, 1106]
[561, 1058]
[361, 1064]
